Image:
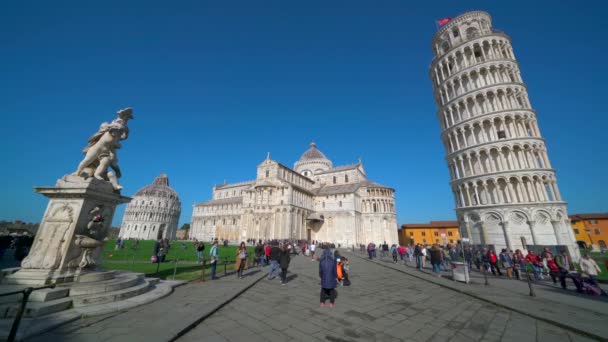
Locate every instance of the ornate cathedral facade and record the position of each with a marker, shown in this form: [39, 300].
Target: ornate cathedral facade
[312, 201]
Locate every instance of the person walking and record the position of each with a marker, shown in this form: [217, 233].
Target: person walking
[241, 259]
[507, 262]
[274, 257]
[418, 256]
[200, 249]
[284, 259]
[564, 263]
[436, 258]
[158, 246]
[214, 256]
[312, 248]
[424, 252]
[267, 249]
[446, 258]
[590, 269]
[370, 250]
[394, 253]
[401, 251]
[328, 274]
[519, 263]
[493, 262]
[258, 254]
[534, 261]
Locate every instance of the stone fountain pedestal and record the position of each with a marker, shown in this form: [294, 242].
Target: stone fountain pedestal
[69, 241]
[67, 252]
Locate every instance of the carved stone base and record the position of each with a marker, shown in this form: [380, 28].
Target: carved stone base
[78, 208]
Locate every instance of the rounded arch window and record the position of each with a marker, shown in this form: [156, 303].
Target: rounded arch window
[445, 46]
[472, 32]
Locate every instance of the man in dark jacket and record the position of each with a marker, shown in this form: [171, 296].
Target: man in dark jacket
[259, 253]
[284, 263]
[436, 258]
[418, 255]
[328, 275]
[275, 255]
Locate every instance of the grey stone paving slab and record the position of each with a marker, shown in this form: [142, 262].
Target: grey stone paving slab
[381, 305]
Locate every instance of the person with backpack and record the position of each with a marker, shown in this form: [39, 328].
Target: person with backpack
[328, 274]
[394, 253]
[274, 257]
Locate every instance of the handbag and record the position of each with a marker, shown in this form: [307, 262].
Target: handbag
[154, 259]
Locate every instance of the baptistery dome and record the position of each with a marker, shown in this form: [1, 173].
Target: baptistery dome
[153, 213]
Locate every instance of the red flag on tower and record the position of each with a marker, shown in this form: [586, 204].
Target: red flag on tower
[443, 21]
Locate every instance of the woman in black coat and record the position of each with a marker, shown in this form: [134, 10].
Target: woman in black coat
[284, 263]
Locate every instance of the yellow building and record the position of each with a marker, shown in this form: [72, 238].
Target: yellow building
[590, 230]
[441, 232]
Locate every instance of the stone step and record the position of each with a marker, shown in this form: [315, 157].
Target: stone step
[43, 295]
[36, 309]
[121, 281]
[47, 295]
[114, 296]
[153, 281]
[96, 276]
[7, 271]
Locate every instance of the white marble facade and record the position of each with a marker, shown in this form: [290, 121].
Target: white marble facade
[153, 212]
[503, 183]
[312, 201]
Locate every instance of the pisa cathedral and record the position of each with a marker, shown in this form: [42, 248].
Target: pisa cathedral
[312, 201]
[504, 186]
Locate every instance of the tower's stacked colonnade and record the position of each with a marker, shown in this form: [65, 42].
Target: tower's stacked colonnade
[503, 183]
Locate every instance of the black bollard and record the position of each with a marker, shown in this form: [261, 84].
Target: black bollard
[175, 268]
[203, 271]
[485, 275]
[225, 264]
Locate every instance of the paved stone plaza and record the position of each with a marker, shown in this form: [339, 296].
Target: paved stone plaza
[381, 305]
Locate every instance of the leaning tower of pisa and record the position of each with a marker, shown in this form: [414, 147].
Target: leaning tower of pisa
[504, 186]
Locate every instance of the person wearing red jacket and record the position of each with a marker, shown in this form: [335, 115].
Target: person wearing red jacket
[267, 253]
[535, 262]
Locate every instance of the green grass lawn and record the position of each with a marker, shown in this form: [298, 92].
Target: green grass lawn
[138, 260]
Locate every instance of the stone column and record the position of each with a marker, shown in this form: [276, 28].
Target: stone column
[556, 229]
[507, 232]
[533, 232]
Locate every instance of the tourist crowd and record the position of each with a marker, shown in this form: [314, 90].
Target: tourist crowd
[507, 263]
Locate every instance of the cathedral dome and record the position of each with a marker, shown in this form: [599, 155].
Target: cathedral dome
[312, 153]
[312, 162]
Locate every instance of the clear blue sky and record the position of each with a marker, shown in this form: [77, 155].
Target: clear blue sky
[217, 84]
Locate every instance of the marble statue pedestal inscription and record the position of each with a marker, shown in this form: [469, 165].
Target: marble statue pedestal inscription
[69, 241]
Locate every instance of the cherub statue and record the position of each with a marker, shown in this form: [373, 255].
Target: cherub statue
[100, 153]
